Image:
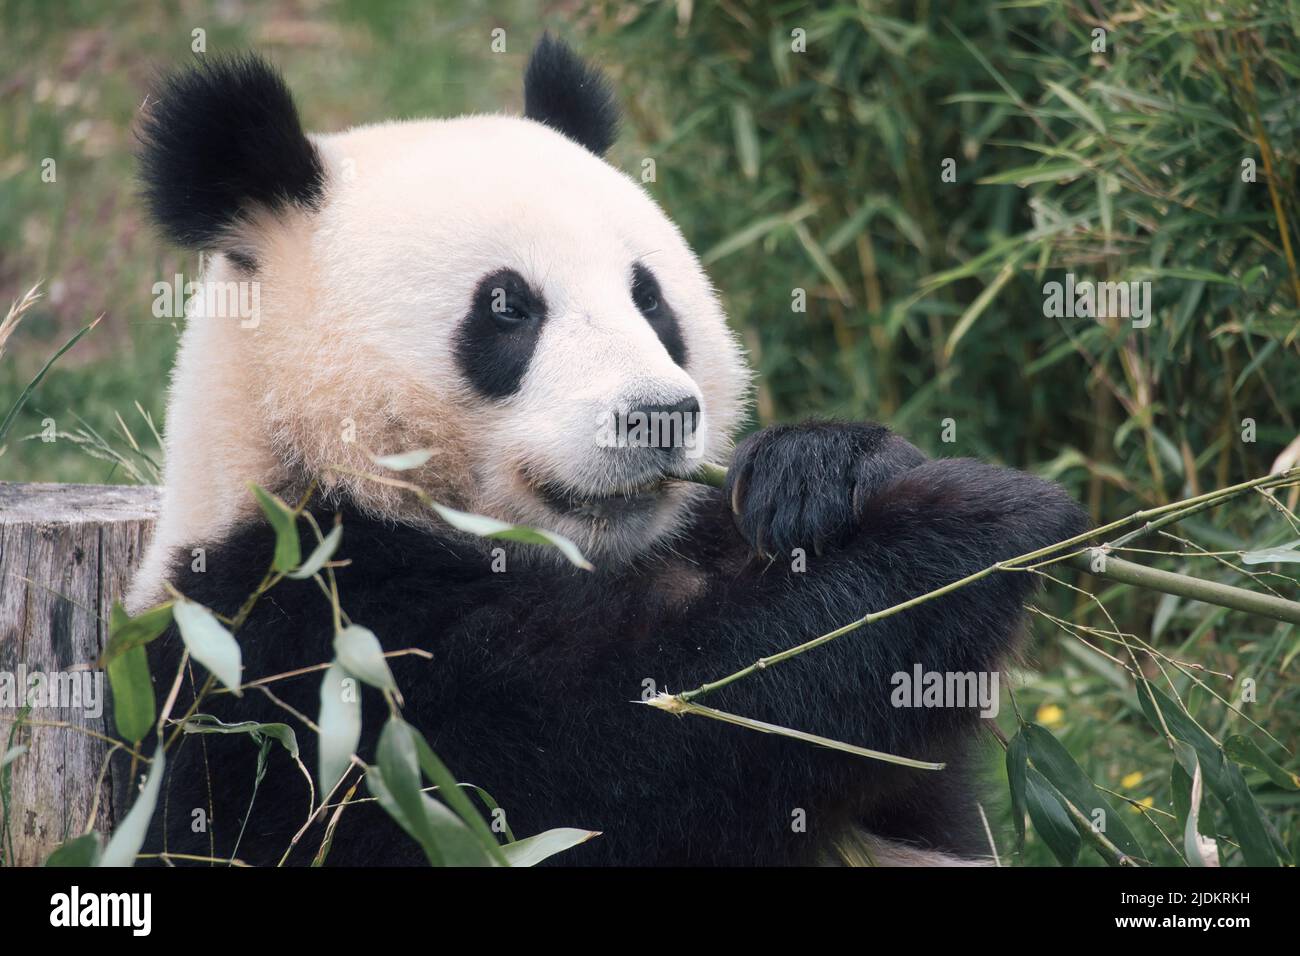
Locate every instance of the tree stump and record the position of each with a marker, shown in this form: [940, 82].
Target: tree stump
[66, 554]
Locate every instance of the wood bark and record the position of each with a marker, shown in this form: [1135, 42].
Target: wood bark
[66, 554]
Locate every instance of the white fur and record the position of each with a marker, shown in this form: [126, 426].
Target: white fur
[857, 847]
[359, 304]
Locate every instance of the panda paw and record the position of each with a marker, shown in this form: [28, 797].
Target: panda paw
[804, 486]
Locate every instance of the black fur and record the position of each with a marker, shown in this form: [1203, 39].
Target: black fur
[530, 689]
[650, 301]
[806, 486]
[495, 342]
[219, 139]
[569, 96]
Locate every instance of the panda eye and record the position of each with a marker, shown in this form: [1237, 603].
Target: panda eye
[510, 312]
[508, 307]
[647, 302]
[645, 291]
[658, 313]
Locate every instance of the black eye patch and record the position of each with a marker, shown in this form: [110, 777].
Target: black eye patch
[495, 341]
[650, 302]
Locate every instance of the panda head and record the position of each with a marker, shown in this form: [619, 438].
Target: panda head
[487, 287]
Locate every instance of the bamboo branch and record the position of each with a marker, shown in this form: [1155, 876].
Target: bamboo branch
[673, 704]
[1098, 562]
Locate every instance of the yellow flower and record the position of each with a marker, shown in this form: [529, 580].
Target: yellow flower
[1131, 780]
[1049, 715]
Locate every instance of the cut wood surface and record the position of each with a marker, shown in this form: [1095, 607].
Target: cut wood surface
[66, 554]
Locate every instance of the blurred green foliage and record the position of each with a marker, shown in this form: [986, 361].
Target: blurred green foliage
[803, 146]
[822, 171]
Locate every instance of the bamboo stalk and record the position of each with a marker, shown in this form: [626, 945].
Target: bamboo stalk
[1198, 589]
[673, 704]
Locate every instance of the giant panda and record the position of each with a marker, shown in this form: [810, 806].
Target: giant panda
[490, 288]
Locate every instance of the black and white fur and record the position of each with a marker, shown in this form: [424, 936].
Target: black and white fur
[381, 252]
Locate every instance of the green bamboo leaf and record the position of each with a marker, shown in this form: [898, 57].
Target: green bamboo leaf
[400, 772]
[1248, 823]
[1051, 820]
[755, 231]
[992, 70]
[1245, 751]
[863, 216]
[79, 851]
[1067, 349]
[133, 701]
[455, 843]
[126, 632]
[1253, 275]
[1288, 554]
[495, 813]
[851, 227]
[1106, 206]
[486, 527]
[450, 790]
[384, 797]
[1072, 100]
[742, 123]
[459, 846]
[1180, 789]
[288, 550]
[1168, 451]
[1155, 705]
[1185, 754]
[1290, 655]
[982, 302]
[1191, 275]
[1055, 763]
[12, 754]
[1202, 114]
[320, 554]
[361, 655]
[1051, 172]
[208, 724]
[444, 837]
[1017, 763]
[534, 849]
[1248, 371]
[996, 253]
[209, 643]
[1221, 775]
[340, 725]
[1165, 609]
[126, 841]
[823, 263]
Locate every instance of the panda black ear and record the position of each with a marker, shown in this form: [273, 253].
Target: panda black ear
[569, 96]
[222, 139]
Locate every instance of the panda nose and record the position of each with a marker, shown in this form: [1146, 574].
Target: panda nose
[667, 427]
[687, 408]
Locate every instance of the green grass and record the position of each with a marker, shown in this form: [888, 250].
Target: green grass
[78, 72]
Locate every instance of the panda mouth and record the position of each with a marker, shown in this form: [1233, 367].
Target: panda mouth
[567, 500]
